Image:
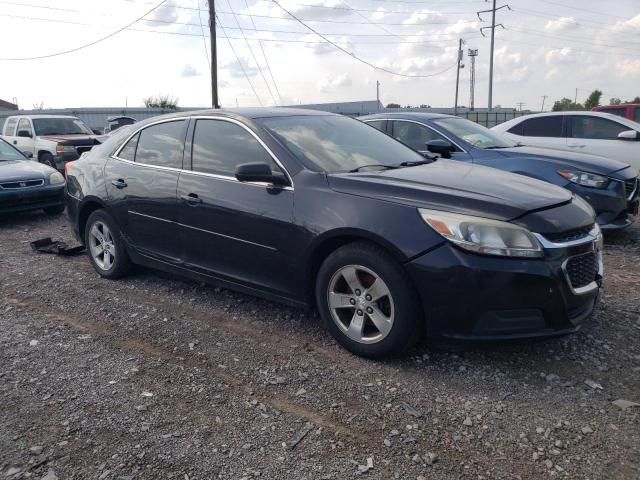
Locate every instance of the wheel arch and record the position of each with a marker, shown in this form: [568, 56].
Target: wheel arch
[89, 205]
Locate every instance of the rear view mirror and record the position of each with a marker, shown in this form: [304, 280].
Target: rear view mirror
[628, 135]
[24, 133]
[441, 147]
[259, 172]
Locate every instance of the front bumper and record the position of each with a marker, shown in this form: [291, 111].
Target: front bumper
[32, 198]
[469, 297]
[615, 210]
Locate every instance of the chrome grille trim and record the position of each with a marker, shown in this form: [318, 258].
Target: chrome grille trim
[17, 184]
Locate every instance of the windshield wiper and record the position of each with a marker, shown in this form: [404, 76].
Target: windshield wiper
[386, 167]
[494, 147]
[417, 162]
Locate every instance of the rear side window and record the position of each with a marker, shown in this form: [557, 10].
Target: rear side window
[595, 128]
[24, 125]
[10, 127]
[220, 146]
[162, 145]
[542, 127]
[379, 124]
[128, 152]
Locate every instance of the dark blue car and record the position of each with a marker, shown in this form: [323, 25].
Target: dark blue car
[28, 185]
[610, 186]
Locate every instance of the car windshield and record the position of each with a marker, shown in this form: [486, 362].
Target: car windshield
[332, 143]
[476, 135]
[60, 126]
[8, 153]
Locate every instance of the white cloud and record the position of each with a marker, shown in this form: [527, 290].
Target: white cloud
[561, 24]
[379, 14]
[461, 27]
[562, 56]
[239, 68]
[341, 81]
[628, 26]
[422, 16]
[629, 67]
[190, 71]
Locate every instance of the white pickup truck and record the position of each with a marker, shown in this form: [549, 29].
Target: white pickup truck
[51, 139]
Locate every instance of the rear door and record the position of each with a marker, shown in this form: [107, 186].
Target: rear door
[142, 180]
[599, 136]
[235, 230]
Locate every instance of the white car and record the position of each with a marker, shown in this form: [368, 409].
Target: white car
[596, 133]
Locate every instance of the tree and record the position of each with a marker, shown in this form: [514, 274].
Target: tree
[393, 105]
[166, 102]
[593, 100]
[635, 100]
[615, 101]
[566, 104]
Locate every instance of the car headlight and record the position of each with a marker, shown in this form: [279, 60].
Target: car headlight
[56, 178]
[584, 178]
[65, 149]
[483, 235]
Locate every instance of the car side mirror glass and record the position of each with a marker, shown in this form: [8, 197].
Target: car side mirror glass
[628, 135]
[24, 133]
[441, 147]
[259, 172]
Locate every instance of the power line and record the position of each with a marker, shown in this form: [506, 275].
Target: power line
[224, 32]
[584, 9]
[358, 58]
[64, 52]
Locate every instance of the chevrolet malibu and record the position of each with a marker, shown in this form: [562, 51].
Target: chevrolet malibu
[316, 209]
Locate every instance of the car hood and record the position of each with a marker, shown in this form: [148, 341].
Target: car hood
[580, 161]
[455, 187]
[72, 139]
[23, 170]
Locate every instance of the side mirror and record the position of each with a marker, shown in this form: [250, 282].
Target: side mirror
[441, 147]
[628, 135]
[24, 133]
[259, 172]
[28, 154]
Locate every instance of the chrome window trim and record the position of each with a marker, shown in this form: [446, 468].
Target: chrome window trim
[212, 175]
[234, 179]
[418, 123]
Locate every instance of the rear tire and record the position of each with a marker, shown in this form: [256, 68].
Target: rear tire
[47, 159]
[105, 246]
[368, 302]
[54, 210]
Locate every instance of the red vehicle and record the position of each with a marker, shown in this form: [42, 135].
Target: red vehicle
[626, 110]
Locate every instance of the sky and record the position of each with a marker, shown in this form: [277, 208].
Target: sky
[267, 57]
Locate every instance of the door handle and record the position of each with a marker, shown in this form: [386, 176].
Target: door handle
[191, 199]
[15, 142]
[119, 183]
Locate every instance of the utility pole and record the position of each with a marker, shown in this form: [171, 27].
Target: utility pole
[378, 94]
[493, 34]
[214, 55]
[473, 53]
[575, 100]
[520, 104]
[544, 97]
[455, 106]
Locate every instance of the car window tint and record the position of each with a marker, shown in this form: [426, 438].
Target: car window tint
[516, 129]
[7, 152]
[10, 127]
[220, 146]
[128, 152]
[379, 124]
[543, 127]
[414, 135]
[595, 128]
[25, 125]
[161, 145]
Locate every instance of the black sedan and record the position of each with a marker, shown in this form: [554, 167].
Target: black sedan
[318, 209]
[28, 185]
[610, 186]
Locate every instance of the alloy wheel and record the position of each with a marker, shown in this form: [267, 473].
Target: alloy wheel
[101, 245]
[361, 304]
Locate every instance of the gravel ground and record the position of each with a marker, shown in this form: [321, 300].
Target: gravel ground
[156, 377]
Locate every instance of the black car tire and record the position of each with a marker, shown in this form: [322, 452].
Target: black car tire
[408, 320]
[54, 210]
[47, 159]
[120, 264]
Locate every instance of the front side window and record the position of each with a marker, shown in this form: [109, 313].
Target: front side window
[548, 126]
[8, 153]
[60, 126]
[595, 128]
[414, 135]
[333, 143]
[10, 127]
[25, 126]
[473, 133]
[161, 145]
[379, 124]
[220, 146]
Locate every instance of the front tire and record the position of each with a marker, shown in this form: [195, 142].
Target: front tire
[105, 246]
[368, 302]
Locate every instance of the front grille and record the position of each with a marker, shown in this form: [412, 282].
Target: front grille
[83, 148]
[569, 235]
[582, 269]
[31, 200]
[630, 187]
[22, 184]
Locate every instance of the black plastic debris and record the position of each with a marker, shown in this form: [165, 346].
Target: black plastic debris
[46, 245]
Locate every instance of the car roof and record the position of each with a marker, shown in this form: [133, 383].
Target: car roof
[44, 116]
[408, 115]
[248, 112]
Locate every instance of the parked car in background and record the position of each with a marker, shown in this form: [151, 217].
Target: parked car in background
[28, 185]
[319, 209]
[117, 121]
[630, 111]
[51, 139]
[611, 187]
[589, 132]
